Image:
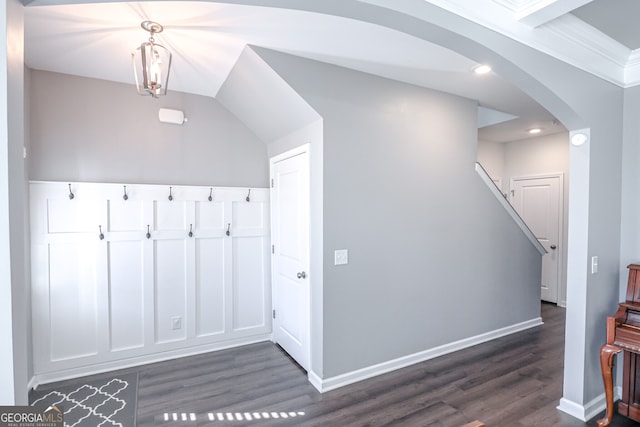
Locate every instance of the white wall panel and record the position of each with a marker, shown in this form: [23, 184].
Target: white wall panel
[170, 215]
[126, 215]
[248, 282]
[126, 295]
[170, 289]
[248, 215]
[72, 300]
[210, 286]
[73, 216]
[131, 297]
[210, 215]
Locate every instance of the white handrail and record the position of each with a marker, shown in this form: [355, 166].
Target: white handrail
[510, 209]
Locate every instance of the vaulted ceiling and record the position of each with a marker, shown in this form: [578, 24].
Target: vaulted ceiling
[206, 37]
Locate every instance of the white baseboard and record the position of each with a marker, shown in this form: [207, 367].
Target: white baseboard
[331, 383]
[315, 380]
[100, 368]
[574, 409]
[32, 384]
[590, 409]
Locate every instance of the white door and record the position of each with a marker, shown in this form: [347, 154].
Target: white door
[290, 239]
[538, 201]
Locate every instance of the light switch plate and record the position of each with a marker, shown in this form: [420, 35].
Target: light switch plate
[594, 264]
[341, 257]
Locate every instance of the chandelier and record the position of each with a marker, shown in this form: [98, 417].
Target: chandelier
[151, 64]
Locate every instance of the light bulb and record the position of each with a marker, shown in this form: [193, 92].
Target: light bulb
[482, 69]
[155, 70]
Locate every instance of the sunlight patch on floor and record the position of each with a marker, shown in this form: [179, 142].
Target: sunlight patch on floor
[230, 416]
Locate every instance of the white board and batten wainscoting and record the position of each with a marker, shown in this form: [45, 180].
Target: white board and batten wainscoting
[120, 281]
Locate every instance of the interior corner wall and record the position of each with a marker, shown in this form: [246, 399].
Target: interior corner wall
[264, 102]
[579, 100]
[27, 228]
[91, 130]
[283, 120]
[605, 230]
[536, 156]
[309, 134]
[630, 217]
[539, 156]
[630, 212]
[312, 134]
[594, 205]
[532, 157]
[14, 332]
[423, 232]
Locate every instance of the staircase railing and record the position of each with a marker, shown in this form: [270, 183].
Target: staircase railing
[509, 208]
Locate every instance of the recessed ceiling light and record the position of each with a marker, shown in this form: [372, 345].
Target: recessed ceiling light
[482, 69]
[534, 131]
[579, 138]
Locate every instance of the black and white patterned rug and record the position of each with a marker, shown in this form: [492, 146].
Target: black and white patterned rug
[105, 402]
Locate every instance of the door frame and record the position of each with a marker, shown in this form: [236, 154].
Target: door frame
[562, 285]
[304, 148]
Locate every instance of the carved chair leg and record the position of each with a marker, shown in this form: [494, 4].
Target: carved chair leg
[606, 365]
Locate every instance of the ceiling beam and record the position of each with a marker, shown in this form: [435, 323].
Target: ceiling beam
[540, 12]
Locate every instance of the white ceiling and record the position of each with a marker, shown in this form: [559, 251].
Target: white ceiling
[96, 40]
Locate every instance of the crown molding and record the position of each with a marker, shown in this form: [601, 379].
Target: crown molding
[517, 5]
[632, 69]
[566, 38]
[582, 46]
[541, 12]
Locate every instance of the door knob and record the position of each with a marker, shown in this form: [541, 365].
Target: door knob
[553, 247]
[302, 275]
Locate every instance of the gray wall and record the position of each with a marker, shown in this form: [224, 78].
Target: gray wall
[544, 155]
[312, 135]
[266, 103]
[424, 234]
[257, 95]
[630, 243]
[97, 131]
[578, 100]
[531, 157]
[491, 157]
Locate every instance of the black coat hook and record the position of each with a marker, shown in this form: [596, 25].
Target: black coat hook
[170, 196]
[101, 235]
[248, 199]
[190, 230]
[124, 196]
[148, 232]
[228, 230]
[71, 195]
[211, 195]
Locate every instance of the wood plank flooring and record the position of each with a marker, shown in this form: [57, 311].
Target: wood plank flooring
[514, 381]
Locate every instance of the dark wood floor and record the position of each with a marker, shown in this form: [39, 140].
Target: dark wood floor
[513, 381]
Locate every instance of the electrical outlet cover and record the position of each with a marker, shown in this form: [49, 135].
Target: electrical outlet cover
[341, 257]
[176, 323]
